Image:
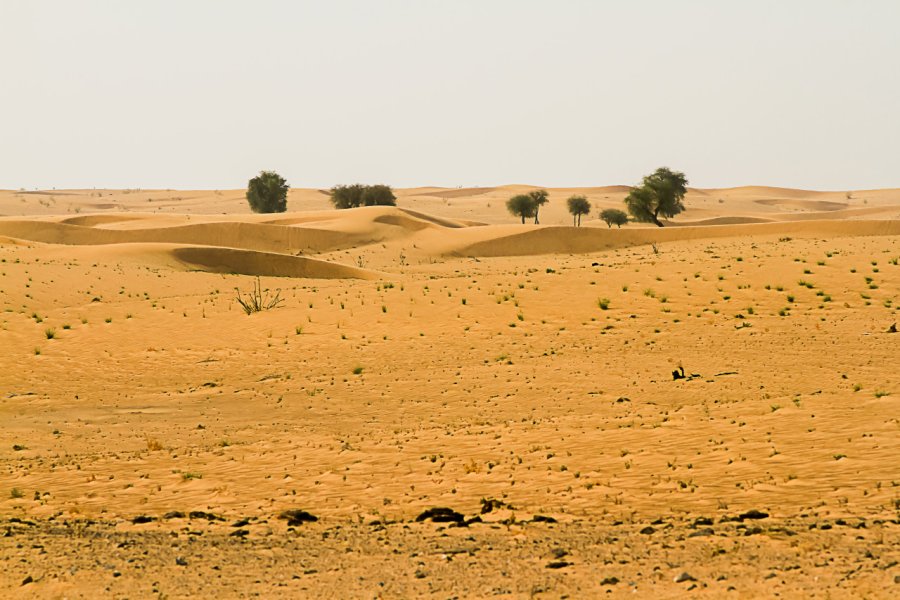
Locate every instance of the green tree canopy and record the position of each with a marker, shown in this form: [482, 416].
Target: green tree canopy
[357, 194]
[660, 194]
[522, 206]
[578, 205]
[267, 193]
[378, 195]
[539, 198]
[347, 196]
[613, 216]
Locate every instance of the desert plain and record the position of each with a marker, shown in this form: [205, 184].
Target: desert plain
[157, 441]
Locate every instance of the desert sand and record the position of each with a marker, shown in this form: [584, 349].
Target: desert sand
[440, 354]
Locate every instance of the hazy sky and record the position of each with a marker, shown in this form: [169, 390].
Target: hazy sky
[194, 93]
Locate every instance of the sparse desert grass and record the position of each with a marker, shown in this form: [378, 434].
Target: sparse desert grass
[535, 415]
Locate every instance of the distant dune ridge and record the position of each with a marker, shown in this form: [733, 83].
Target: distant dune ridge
[428, 221]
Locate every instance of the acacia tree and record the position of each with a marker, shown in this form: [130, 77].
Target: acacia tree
[578, 205]
[613, 216]
[522, 206]
[539, 198]
[346, 196]
[378, 195]
[267, 193]
[660, 194]
[357, 194]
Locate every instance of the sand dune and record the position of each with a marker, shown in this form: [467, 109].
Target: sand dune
[557, 240]
[249, 262]
[719, 221]
[95, 220]
[766, 191]
[519, 375]
[459, 193]
[317, 232]
[485, 204]
[812, 205]
[164, 257]
[417, 220]
[251, 236]
[332, 231]
[888, 212]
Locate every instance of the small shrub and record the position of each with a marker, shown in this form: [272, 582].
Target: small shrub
[257, 301]
[603, 303]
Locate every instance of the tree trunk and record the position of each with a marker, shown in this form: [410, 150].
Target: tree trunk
[536, 222]
[523, 219]
[573, 221]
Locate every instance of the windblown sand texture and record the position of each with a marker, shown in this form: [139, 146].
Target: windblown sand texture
[439, 354]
